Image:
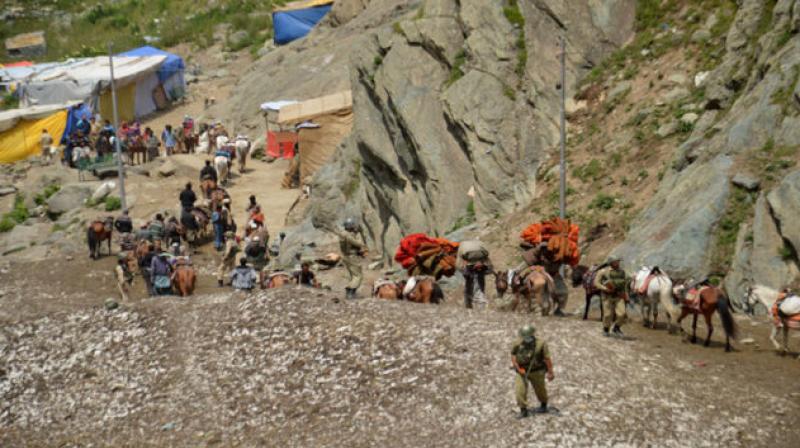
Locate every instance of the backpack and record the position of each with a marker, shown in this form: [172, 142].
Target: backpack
[473, 251]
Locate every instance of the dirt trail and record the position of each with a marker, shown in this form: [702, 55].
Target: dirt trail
[294, 368]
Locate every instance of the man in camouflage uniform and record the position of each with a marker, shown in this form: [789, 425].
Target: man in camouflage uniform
[539, 255]
[531, 359]
[228, 257]
[352, 245]
[612, 283]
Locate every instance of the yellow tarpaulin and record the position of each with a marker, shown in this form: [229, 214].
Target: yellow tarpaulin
[126, 103]
[24, 139]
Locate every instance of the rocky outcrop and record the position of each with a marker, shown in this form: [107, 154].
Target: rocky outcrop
[675, 233]
[452, 114]
[69, 197]
[752, 88]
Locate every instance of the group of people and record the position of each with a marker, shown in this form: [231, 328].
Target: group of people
[89, 139]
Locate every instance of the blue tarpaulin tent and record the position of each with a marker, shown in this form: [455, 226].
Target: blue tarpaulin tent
[170, 74]
[295, 20]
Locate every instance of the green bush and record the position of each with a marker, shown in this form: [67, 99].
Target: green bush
[6, 224]
[602, 202]
[42, 197]
[19, 213]
[113, 203]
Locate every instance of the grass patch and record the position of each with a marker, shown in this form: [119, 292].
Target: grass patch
[738, 210]
[112, 203]
[57, 228]
[591, 171]
[467, 219]
[50, 190]
[509, 92]
[17, 215]
[9, 101]
[456, 71]
[125, 23]
[784, 96]
[351, 187]
[514, 16]
[398, 29]
[602, 202]
[786, 253]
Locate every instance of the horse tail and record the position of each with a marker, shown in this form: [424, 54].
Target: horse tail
[437, 296]
[725, 314]
[91, 238]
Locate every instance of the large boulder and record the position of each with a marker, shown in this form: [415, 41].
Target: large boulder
[785, 204]
[69, 197]
[675, 231]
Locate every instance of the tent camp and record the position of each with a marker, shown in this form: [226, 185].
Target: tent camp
[21, 129]
[144, 82]
[171, 72]
[295, 20]
[322, 124]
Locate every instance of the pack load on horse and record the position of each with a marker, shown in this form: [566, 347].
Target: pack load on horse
[783, 307]
[653, 287]
[547, 246]
[704, 299]
[278, 279]
[421, 254]
[222, 163]
[387, 289]
[99, 231]
[561, 237]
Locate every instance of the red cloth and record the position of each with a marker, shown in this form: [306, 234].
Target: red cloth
[407, 250]
[562, 231]
[281, 144]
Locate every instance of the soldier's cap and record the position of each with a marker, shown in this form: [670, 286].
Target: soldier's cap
[527, 332]
[613, 260]
[229, 233]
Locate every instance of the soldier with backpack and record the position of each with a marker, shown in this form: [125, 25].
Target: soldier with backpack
[474, 264]
[531, 359]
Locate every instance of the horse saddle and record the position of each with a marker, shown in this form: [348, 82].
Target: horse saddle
[645, 285]
[693, 298]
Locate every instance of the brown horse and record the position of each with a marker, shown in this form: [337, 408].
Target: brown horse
[501, 283]
[584, 276]
[98, 232]
[426, 290]
[137, 151]
[207, 186]
[278, 280]
[218, 195]
[184, 279]
[388, 290]
[189, 142]
[536, 286]
[708, 299]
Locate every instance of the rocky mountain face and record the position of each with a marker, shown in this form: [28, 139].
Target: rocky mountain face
[730, 199]
[456, 119]
[456, 104]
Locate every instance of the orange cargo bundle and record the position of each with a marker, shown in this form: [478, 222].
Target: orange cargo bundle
[431, 255]
[561, 237]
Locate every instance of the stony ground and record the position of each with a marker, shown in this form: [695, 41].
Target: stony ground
[299, 368]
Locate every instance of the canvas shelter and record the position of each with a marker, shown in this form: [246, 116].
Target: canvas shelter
[322, 124]
[21, 130]
[88, 80]
[296, 19]
[280, 139]
[170, 74]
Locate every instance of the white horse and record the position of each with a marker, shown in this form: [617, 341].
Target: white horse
[659, 291]
[221, 165]
[242, 145]
[767, 297]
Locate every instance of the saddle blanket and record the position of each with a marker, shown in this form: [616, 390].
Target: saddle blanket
[793, 321]
[380, 283]
[693, 298]
[790, 305]
[646, 284]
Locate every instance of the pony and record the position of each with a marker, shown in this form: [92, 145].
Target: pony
[501, 283]
[190, 142]
[277, 280]
[424, 290]
[705, 301]
[207, 186]
[184, 279]
[98, 232]
[137, 151]
[769, 297]
[242, 149]
[221, 165]
[584, 276]
[657, 290]
[387, 289]
[537, 287]
[217, 197]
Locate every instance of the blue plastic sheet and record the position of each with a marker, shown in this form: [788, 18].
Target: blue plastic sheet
[291, 25]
